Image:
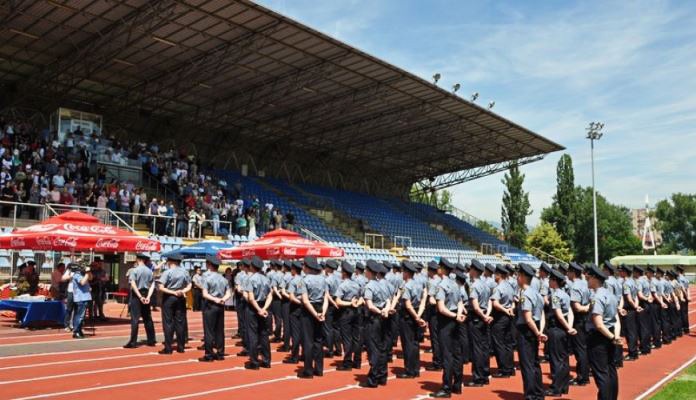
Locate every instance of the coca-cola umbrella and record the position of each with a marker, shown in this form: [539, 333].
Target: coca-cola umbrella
[75, 231]
[281, 243]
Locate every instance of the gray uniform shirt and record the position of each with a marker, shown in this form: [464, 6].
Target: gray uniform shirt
[504, 293]
[448, 291]
[315, 286]
[560, 301]
[644, 286]
[375, 292]
[530, 300]
[259, 285]
[535, 284]
[142, 276]
[332, 283]
[216, 285]
[432, 285]
[614, 287]
[348, 290]
[413, 292]
[656, 286]
[296, 286]
[481, 292]
[604, 304]
[545, 289]
[175, 278]
[579, 292]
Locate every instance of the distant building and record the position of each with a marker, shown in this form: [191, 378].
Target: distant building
[638, 217]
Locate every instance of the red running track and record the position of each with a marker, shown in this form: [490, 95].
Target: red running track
[141, 373]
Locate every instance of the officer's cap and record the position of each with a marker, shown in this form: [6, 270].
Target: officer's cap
[557, 276]
[446, 264]
[175, 257]
[660, 270]
[419, 266]
[297, 265]
[459, 266]
[257, 263]
[387, 264]
[501, 269]
[312, 263]
[624, 267]
[333, 264]
[142, 256]
[246, 261]
[592, 270]
[477, 265]
[409, 266]
[374, 266]
[527, 269]
[396, 266]
[545, 267]
[490, 267]
[651, 269]
[609, 266]
[288, 264]
[432, 265]
[671, 273]
[347, 267]
[563, 267]
[360, 266]
[679, 268]
[575, 267]
[639, 269]
[460, 274]
[215, 261]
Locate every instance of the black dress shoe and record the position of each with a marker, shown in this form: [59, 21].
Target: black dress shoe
[305, 375]
[356, 366]
[428, 351]
[206, 359]
[290, 361]
[367, 385]
[78, 335]
[164, 351]
[500, 375]
[151, 344]
[179, 350]
[441, 394]
[251, 365]
[318, 373]
[382, 382]
[283, 349]
[433, 368]
[130, 346]
[265, 365]
[328, 354]
[405, 376]
[344, 368]
[473, 384]
[243, 353]
[630, 358]
[201, 347]
[551, 393]
[220, 357]
[575, 382]
[457, 390]
[276, 340]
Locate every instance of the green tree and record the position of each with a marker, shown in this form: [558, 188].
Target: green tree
[444, 202]
[561, 213]
[676, 219]
[442, 199]
[487, 227]
[614, 229]
[515, 207]
[545, 238]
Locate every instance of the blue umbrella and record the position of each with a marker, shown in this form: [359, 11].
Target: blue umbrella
[199, 250]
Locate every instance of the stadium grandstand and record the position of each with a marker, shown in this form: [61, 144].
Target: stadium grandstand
[231, 116]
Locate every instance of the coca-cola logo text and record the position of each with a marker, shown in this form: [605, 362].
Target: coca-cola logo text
[273, 251]
[290, 251]
[107, 244]
[143, 245]
[336, 253]
[70, 242]
[17, 242]
[44, 241]
[99, 229]
[314, 251]
[248, 252]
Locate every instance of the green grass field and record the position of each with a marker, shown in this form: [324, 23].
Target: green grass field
[682, 387]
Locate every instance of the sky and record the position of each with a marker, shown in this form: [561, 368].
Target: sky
[552, 67]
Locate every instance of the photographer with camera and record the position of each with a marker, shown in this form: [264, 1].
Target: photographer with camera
[81, 296]
[98, 283]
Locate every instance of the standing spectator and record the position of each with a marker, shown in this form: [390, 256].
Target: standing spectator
[192, 223]
[181, 221]
[215, 215]
[278, 219]
[69, 299]
[81, 297]
[162, 220]
[101, 205]
[241, 224]
[8, 194]
[152, 212]
[58, 287]
[251, 223]
[136, 205]
[290, 220]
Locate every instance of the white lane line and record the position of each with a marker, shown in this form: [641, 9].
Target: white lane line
[91, 339]
[59, 353]
[341, 389]
[665, 379]
[119, 385]
[97, 330]
[76, 361]
[97, 371]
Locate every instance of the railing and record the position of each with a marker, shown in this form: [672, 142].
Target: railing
[164, 192]
[546, 256]
[486, 248]
[14, 211]
[463, 215]
[312, 235]
[105, 215]
[133, 174]
[404, 240]
[373, 237]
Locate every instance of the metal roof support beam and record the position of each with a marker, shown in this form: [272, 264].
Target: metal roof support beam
[448, 180]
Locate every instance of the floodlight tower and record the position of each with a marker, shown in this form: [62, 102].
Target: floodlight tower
[594, 132]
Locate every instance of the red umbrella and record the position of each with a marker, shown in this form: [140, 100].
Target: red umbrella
[76, 231]
[281, 243]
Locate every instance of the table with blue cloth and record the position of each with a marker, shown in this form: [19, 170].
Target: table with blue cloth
[32, 312]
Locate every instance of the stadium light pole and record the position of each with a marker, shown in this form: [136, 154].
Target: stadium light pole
[594, 132]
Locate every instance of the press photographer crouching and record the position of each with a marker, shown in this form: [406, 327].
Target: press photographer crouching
[81, 275]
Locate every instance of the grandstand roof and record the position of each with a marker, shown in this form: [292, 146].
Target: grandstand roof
[258, 82]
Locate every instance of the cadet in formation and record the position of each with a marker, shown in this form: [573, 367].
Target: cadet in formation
[142, 286]
[216, 292]
[348, 298]
[315, 300]
[411, 312]
[530, 332]
[257, 292]
[174, 283]
[377, 302]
